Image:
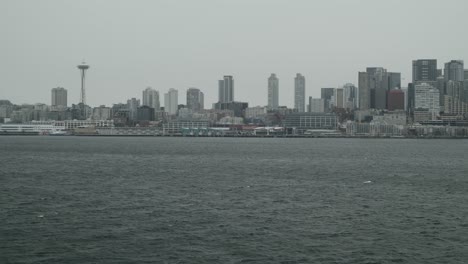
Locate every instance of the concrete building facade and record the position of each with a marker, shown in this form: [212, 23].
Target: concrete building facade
[171, 101]
[59, 97]
[273, 92]
[299, 92]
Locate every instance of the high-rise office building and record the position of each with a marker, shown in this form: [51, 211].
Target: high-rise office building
[171, 101]
[326, 94]
[299, 93]
[364, 91]
[195, 99]
[350, 96]
[427, 98]
[394, 80]
[374, 85]
[59, 97]
[132, 106]
[466, 74]
[456, 98]
[424, 70]
[273, 92]
[339, 98]
[151, 98]
[226, 89]
[454, 71]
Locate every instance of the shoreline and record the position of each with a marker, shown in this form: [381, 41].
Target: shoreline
[238, 136]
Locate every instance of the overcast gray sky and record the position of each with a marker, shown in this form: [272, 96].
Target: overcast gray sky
[179, 44]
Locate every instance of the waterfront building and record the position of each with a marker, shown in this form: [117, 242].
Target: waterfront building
[396, 100]
[171, 101]
[32, 128]
[374, 129]
[255, 112]
[299, 92]
[273, 92]
[231, 120]
[195, 99]
[226, 89]
[427, 98]
[237, 107]
[174, 127]
[151, 98]
[425, 70]
[301, 122]
[454, 71]
[59, 97]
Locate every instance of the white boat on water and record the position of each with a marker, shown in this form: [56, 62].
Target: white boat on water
[58, 133]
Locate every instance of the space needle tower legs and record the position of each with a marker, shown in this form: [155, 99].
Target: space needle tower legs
[83, 67]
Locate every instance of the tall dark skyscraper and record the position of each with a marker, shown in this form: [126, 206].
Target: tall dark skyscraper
[454, 71]
[374, 84]
[226, 89]
[425, 70]
[326, 94]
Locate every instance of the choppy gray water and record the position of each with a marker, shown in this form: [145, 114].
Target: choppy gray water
[228, 200]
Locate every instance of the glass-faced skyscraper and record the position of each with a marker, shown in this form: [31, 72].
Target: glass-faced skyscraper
[424, 71]
[273, 92]
[454, 71]
[226, 89]
[195, 99]
[151, 98]
[299, 93]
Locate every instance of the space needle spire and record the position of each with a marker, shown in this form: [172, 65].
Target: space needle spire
[83, 67]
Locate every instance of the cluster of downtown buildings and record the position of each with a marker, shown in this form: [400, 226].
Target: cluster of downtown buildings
[435, 103]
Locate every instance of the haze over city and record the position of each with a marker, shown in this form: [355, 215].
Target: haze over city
[181, 44]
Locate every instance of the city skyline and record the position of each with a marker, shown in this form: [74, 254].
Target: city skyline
[225, 89]
[134, 54]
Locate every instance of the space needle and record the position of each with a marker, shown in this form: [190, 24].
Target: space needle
[83, 67]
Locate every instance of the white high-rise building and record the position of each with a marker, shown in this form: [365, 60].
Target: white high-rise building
[59, 97]
[299, 93]
[151, 98]
[273, 92]
[427, 97]
[171, 101]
